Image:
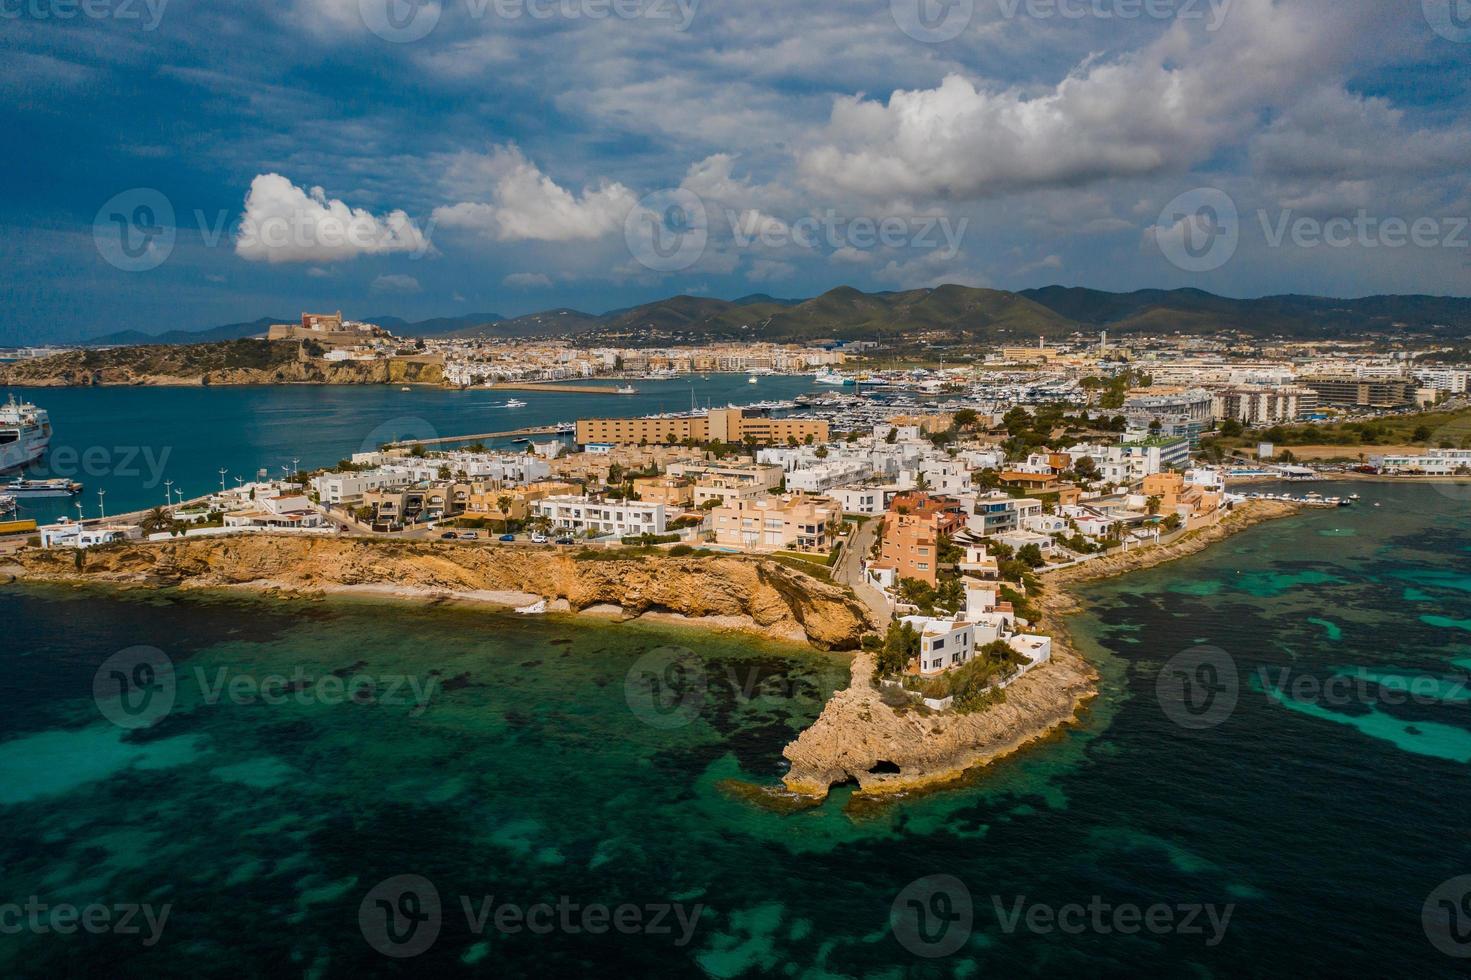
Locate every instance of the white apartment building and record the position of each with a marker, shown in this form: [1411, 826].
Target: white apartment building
[70, 534]
[1436, 462]
[828, 474]
[600, 518]
[857, 499]
[1453, 380]
[337, 489]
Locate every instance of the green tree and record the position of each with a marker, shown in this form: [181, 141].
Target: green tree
[901, 644]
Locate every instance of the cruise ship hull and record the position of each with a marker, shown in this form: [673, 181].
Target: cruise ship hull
[20, 454]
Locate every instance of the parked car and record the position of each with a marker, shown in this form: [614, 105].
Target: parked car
[538, 538]
[470, 535]
[564, 541]
[508, 537]
[449, 535]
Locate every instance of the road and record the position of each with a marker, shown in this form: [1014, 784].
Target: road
[849, 571]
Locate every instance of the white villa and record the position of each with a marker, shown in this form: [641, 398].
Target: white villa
[599, 518]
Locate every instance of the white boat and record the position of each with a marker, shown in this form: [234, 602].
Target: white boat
[628, 390]
[25, 432]
[535, 609]
[41, 488]
[829, 377]
[751, 380]
[515, 403]
[405, 388]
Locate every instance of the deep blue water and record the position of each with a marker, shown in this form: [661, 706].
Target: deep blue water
[129, 441]
[541, 772]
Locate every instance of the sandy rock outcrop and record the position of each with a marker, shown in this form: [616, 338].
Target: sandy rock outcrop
[859, 737]
[769, 597]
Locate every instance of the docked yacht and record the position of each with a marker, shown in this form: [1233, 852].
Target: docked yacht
[41, 488]
[25, 432]
[827, 376]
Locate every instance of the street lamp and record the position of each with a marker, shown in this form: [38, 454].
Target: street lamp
[101, 508]
[223, 471]
[168, 492]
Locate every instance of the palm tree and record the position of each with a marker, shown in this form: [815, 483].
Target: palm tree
[156, 520]
[503, 504]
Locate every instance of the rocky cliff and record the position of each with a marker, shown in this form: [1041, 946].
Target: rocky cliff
[761, 595]
[859, 737]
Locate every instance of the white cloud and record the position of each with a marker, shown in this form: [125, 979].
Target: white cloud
[1162, 108]
[284, 223]
[527, 280]
[396, 283]
[527, 205]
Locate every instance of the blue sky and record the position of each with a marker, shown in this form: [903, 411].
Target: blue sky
[178, 164]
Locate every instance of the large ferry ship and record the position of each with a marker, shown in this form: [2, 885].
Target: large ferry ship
[25, 432]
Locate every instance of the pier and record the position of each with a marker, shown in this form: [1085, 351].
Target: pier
[536, 430]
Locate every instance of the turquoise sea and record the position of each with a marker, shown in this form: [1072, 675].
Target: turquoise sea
[1293, 822]
[129, 441]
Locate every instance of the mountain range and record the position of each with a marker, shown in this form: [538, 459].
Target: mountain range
[944, 314]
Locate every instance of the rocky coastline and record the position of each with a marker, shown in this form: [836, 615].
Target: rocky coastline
[860, 738]
[728, 592]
